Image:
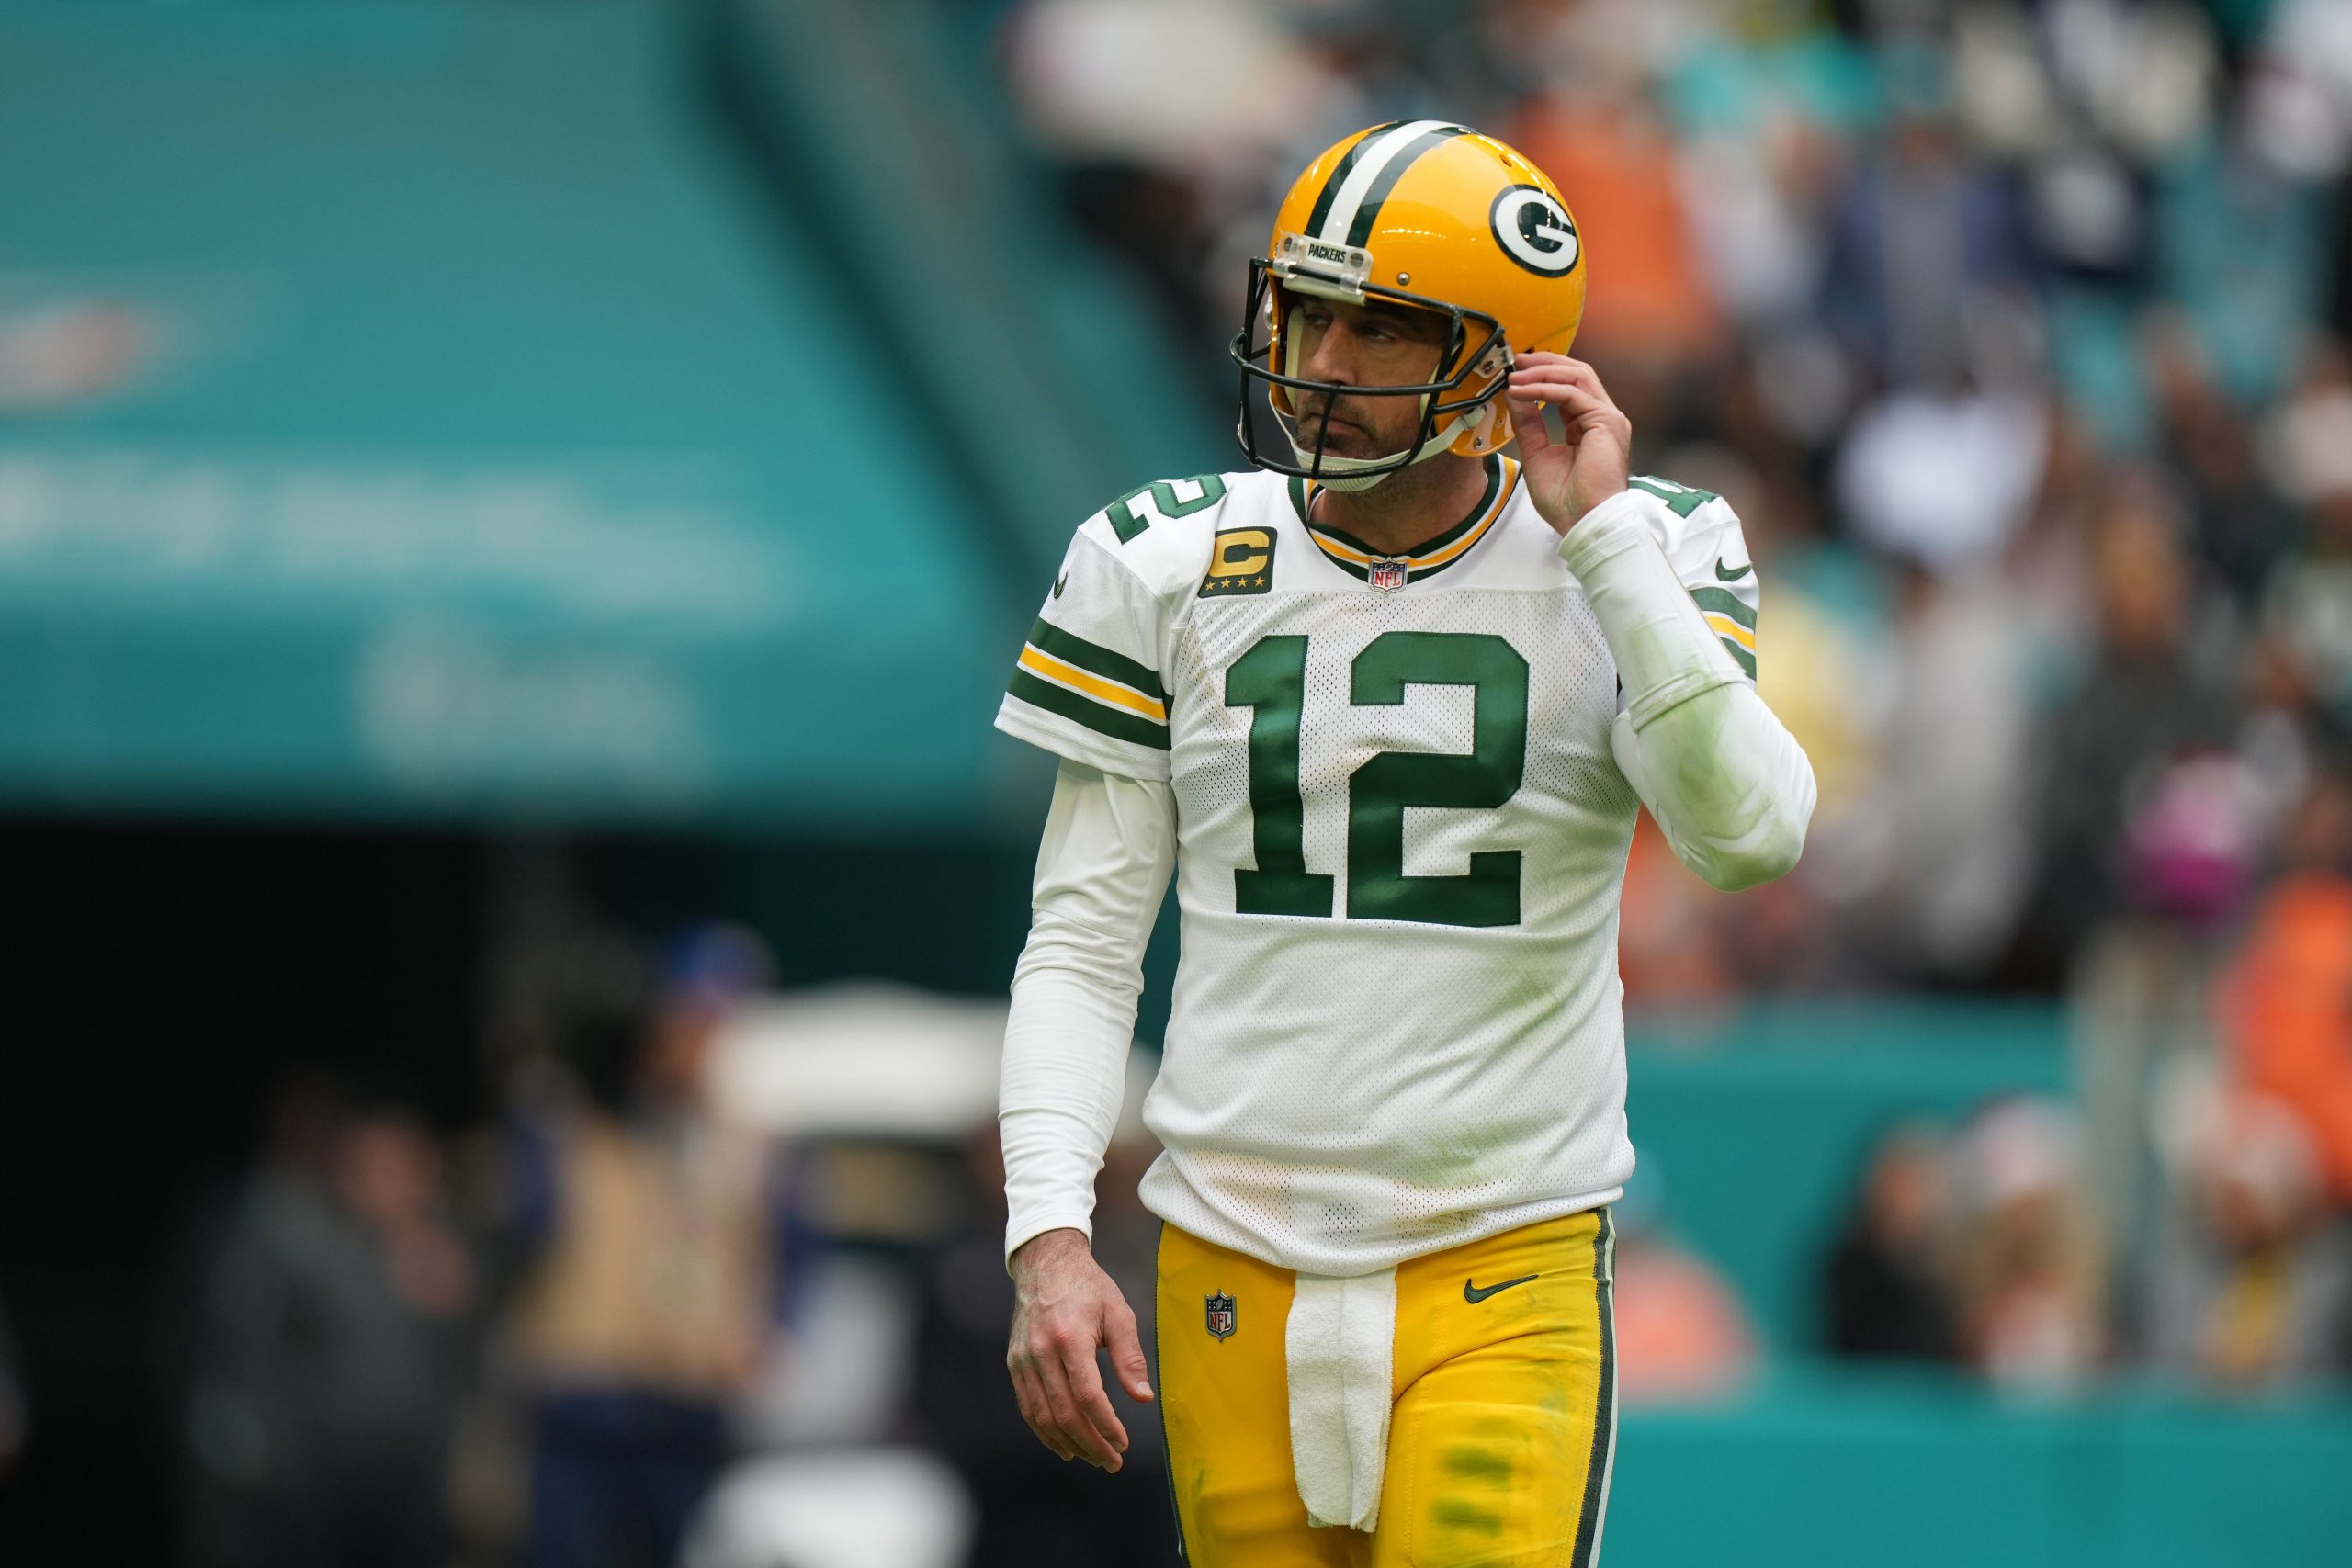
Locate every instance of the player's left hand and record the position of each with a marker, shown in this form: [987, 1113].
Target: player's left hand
[1567, 479]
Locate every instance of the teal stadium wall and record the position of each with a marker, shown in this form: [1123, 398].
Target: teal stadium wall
[1753, 1126]
[597, 414]
[1821, 1469]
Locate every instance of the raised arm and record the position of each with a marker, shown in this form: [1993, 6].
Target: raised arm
[1728, 783]
[1723, 777]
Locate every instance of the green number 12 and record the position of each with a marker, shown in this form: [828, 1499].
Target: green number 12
[1271, 680]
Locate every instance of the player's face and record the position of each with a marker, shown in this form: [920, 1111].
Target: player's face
[1364, 346]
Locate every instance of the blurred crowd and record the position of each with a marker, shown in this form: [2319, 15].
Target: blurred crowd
[534, 1338]
[629, 1324]
[625, 1326]
[1983, 1246]
[635, 1323]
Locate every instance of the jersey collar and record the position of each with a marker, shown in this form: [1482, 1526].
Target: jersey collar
[1357, 558]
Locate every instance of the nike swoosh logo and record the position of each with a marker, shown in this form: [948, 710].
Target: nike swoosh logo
[1059, 583]
[1471, 1294]
[1723, 576]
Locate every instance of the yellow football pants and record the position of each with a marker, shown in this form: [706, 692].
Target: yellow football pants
[1500, 1438]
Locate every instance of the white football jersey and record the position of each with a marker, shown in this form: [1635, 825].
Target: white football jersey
[1401, 835]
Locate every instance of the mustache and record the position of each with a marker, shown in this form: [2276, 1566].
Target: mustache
[1311, 412]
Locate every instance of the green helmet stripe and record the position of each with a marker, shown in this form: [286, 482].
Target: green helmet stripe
[1366, 163]
[1347, 163]
[1368, 211]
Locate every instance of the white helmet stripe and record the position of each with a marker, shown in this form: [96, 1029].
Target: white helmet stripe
[1366, 173]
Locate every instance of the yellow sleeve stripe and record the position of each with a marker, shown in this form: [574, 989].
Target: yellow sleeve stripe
[1068, 675]
[1731, 631]
[1333, 547]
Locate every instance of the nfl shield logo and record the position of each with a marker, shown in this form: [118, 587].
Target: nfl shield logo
[1221, 1316]
[1387, 575]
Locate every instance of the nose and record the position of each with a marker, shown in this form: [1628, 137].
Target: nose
[1328, 356]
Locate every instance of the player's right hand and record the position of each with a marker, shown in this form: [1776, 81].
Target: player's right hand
[1065, 1307]
[1567, 479]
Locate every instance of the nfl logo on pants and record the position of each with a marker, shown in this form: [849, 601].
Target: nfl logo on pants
[1387, 575]
[1221, 1316]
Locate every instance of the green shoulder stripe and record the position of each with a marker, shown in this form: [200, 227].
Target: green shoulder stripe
[1741, 656]
[1724, 601]
[1682, 499]
[1071, 649]
[1114, 722]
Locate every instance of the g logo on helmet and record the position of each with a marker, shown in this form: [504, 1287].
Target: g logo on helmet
[1534, 231]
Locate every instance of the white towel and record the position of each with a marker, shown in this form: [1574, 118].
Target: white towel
[1340, 1346]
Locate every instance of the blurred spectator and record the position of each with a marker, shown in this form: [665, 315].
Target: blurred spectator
[1683, 1335]
[1174, 86]
[1606, 143]
[642, 1316]
[1828, 678]
[2286, 998]
[2187, 857]
[2299, 103]
[2241, 247]
[2026, 1256]
[1167, 115]
[1943, 477]
[15, 1408]
[2148, 697]
[1953, 851]
[1036, 1510]
[1926, 239]
[1887, 1280]
[2258, 1287]
[2307, 610]
[335, 1346]
[2241, 524]
[1764, 101]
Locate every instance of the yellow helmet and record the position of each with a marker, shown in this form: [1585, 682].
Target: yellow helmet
[1429, 214]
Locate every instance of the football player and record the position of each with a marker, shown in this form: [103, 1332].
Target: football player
[1387, 705]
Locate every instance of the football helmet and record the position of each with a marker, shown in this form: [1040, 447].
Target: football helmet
[1425, 215]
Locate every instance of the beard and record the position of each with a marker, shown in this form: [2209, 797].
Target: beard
[1350, 434]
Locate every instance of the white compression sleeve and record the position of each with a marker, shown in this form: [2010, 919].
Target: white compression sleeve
[1728, 783]
[1102, 865]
